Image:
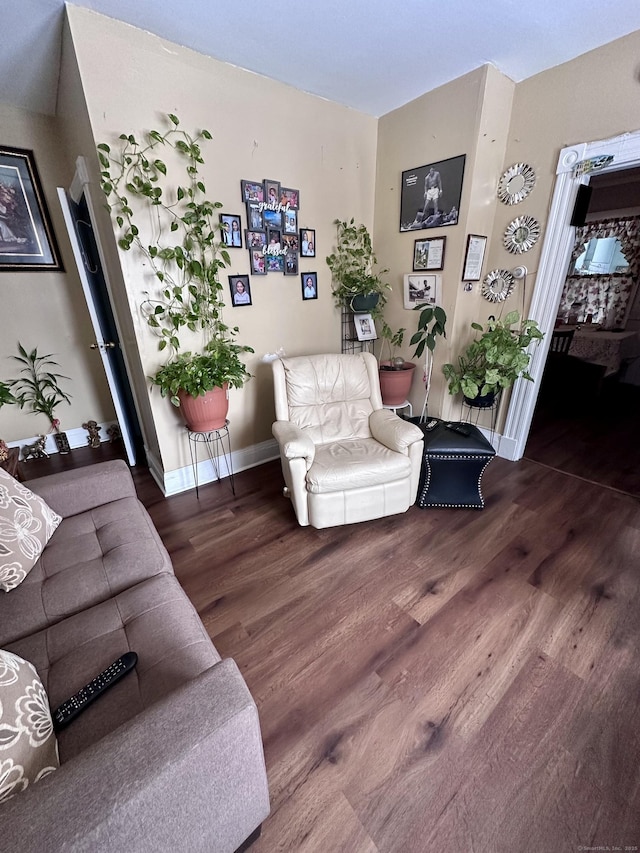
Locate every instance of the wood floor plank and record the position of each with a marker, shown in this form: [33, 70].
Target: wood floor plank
[443, 680]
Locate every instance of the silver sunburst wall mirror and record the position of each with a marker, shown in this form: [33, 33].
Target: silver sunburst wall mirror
[521, 234]
[498, 285]
[516, 183]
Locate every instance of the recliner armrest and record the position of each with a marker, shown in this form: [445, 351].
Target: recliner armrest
[186, 774]
[392, 431]
[293, 442]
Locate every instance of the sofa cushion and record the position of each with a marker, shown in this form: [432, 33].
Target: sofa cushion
[28, 746]
[355, 464]
[156, 620]
[26, 525]
[91, 557]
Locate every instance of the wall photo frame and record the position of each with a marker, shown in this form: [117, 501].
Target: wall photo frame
[474, 257]
[308, 242]
[422, 289]
[252, 191]
[240, 290]
[230, 230]
[309, 285]
[429, 254]
[430, 195]
[27, 239]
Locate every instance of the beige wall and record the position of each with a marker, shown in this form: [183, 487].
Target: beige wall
[344, 163]
[261, 129]
[467, 116]
[47, 309]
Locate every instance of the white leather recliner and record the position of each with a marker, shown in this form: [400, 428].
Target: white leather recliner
[344, 457]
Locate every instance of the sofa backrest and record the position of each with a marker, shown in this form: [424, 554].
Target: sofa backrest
[329, 396]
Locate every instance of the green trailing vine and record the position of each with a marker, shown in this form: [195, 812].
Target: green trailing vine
[185, 254]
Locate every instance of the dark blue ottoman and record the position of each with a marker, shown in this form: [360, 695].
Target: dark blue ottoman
[452, 467]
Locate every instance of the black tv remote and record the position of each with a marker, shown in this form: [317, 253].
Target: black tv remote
[461, 429]
[76, 704]
[431, 424]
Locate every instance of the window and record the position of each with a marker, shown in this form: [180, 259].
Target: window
[602, 256]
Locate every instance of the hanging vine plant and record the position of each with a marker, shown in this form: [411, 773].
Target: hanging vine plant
[184, 254]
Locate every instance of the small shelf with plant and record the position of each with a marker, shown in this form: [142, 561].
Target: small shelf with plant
[185, 255]
[358, 283]
[492, 362]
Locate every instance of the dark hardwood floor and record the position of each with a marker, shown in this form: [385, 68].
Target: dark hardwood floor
[443, 680]
[596, 437]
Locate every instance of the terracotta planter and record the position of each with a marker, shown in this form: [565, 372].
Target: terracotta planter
[396, 384]
[206, 413]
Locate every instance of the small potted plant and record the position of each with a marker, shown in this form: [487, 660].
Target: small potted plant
[39, 388]
[199, 382]
[357, 281]
[396, 374]
[492, 362]
[186, 256]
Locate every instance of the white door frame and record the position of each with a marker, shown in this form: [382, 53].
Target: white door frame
[554, 261]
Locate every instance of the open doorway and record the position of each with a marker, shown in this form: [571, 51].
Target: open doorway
[589, 425]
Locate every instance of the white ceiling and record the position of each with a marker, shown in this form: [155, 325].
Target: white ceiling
[373, 55]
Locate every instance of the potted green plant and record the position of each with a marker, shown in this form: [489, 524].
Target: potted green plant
[186, 256]
[492, 362]
[396, 374]
[38, 387]
[357, 281]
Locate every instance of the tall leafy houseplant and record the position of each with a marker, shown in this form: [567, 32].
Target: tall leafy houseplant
[357, 280]
[185, 256]
[493, 361]
[38, 387]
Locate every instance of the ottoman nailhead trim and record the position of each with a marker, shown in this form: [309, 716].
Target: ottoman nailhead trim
[458, 458]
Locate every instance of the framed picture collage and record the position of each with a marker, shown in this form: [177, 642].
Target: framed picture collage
[273, 237]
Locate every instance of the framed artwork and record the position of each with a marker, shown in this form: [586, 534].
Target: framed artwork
[272, 218]
[291, 263]
[258, 265]
[290, 222]
[272, 192]
[422, 289]
[290, 197]
[308, 242]
[430, 195]
[290, 242]
[429, 254]
[365, 327]
[252, 191]
[254, 215]
[275, 263]
[474, 257]
[27, 241]
[230, 230]
[240, 290]
[255, 239]
[309, 285]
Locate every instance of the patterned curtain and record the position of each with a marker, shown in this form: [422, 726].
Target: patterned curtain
[604, 297]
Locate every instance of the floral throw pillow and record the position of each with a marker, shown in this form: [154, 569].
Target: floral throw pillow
[26, 525]
[28, 745]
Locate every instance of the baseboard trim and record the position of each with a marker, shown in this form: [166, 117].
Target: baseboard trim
[182, 479]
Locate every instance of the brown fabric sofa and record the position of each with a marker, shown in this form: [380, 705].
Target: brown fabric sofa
[171, 757]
